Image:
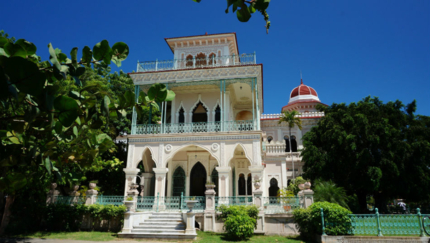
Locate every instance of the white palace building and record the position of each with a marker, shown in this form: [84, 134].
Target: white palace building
[215, 129]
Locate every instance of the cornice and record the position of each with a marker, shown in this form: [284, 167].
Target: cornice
[195, 138]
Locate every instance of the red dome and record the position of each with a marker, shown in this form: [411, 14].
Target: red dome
[303, 90]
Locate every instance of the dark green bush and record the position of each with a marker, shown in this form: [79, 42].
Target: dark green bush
[336, 220]
[239, 221]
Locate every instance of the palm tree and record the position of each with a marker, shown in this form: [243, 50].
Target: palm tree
[292, 118]
[327, 191]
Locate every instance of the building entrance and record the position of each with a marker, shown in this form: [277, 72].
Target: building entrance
[198, 180]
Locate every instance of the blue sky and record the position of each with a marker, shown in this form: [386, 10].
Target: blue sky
[346, 50]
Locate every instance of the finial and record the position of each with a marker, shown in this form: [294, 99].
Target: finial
[206, 33]
[301, 78]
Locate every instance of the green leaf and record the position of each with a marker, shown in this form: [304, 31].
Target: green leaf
[101, 137]
[28, 47]
[48, 165]
[120, 53]
[53, 57]
[251, 8]
[14, 50]
[170, 95]
[62, 58]
[3, 41]
[105, 105]
[74, 55]
[102, 51]
[68, 110]
[13, 138]
[25, 75]
[76, 95]
[157, 92]
[58, 127]
[87, 56]
[129, 97]
[262, 5]
[243, 15]
[75, 131]
[3, 53]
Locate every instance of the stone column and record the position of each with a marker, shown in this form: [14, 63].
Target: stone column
[160, 185]
[259, 202]
[308, 195]
[130, 177]
[75, 194]
[91, 194]
[147, 179]
[209, 216]
[223, 181]
[52, 194]
[284, 173]
[191, 219]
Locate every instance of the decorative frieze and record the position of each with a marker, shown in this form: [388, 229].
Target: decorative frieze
[193, 138]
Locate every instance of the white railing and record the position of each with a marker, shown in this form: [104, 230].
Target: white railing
[195, 127]
[279, 149]
[213, 61]
[301, 115]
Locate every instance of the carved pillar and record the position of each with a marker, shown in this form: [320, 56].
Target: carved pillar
[91, 194]
[257, 173]
[130, 177]
[223, 181]
[160, 185]
[284, 173]
[147, 182]
[259, 202]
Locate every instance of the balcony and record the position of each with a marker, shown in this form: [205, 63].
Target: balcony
[279, 150]
[212, 61]
[195, 127]
[316, 114]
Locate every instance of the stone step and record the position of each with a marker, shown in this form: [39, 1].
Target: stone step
[165, 216]
[163, 220]
[148, 226]
[161, 223]
[157, 235]
[158, 231]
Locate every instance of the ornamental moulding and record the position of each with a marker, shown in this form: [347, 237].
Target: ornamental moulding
[184, 139]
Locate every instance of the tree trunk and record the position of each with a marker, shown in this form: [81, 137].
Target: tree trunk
[6, 215]
[291, 152]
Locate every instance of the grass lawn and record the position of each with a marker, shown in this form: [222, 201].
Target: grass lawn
[202, 237]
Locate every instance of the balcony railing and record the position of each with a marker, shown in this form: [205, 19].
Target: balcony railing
[301, 115]
[213, 61]
[195, 127]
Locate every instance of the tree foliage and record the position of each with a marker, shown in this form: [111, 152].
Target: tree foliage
[48, 128]
[371, 148]
[244, 9]
[327, 191]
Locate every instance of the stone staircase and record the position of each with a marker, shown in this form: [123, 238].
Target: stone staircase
[161, 225]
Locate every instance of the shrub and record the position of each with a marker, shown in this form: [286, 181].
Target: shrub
[336, 220]
[239, 221]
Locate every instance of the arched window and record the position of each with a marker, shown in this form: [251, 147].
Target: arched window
[198, 180]
[189, 61]
[212, 59]
[214, 177]
[293, 144]
[269, 139]
[241, 185]
[249, 184]
[200, 113]
[181, 118]
[201, 60]
[178, 182]
[287, 144]
[273, 189]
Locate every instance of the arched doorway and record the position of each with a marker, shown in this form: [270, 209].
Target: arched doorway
[241, 185]
[273, 189]
[198, 180]
[293, 144]
[249, 184]
[178, 182]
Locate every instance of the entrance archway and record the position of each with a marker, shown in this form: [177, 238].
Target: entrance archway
[273, 189]
[198, 180]
[178, 182]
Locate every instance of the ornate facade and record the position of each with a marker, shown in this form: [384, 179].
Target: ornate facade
[214, 130]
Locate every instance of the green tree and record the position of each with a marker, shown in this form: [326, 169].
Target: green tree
[327, 191]
[48, 131]
[292, 119]
[244, 9]
[371, 149]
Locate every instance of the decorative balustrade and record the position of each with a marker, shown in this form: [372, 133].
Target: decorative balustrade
[213, 61]
[238, 200]
[146, 203]
[275, 205]
[112, 200]
[69, 200]
[301, 115]
[195, 127]
[279, 149]
[383, 224]
[200, 206]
